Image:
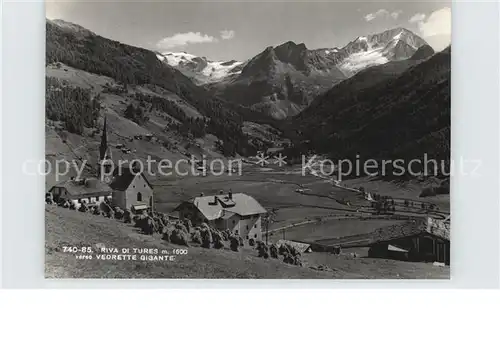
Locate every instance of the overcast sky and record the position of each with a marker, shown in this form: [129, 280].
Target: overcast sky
[239, 30]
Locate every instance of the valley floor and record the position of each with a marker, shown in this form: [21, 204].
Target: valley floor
[306, 207]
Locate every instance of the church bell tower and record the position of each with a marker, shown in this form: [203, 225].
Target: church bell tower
[105, 163]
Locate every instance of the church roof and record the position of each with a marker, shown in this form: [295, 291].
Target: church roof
[123, 177]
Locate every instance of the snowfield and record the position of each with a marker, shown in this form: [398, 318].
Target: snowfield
[361, 60]
[218, 70]
[206, 71]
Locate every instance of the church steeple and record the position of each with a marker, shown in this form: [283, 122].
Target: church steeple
[105, 161]
[104, 149]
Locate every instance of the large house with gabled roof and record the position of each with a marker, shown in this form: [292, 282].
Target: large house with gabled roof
[241, 214]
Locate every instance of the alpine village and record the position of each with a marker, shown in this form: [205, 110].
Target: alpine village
[237, 201]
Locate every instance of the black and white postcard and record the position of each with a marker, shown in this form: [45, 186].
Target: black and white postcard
[244, 140]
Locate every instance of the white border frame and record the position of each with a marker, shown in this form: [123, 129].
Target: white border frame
[475, 135]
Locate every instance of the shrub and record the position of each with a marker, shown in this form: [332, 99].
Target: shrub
[288, 258]
[217, 240]
[179, 237]
[205, 238]
[234, 243]
[226, 234]
[196, 236]
[167, 232]
[263, 250]
[273, 251]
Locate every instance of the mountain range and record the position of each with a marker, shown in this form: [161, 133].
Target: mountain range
[399, 110]
[280, 81]
[136, 92]
[382, 95]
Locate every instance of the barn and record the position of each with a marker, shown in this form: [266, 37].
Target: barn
[413, 243]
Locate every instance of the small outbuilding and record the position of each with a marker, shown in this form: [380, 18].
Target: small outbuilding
[412, 243]
[299, 246]
[88, 191]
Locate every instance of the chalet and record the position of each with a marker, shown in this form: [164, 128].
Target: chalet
[427, 242]
[240, 213]
[90, 191]
[131, 190]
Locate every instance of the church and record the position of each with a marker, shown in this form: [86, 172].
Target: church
[130, 188]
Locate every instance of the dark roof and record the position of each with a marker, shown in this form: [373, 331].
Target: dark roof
[438, 227]
[123, 177]
[384, 235]
[408, 229]
[84, 188]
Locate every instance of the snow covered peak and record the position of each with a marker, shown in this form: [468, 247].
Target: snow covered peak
[176, 58]
[330, 51]
[376, 49]
[363, 52]
[398, 36]
[201, 70]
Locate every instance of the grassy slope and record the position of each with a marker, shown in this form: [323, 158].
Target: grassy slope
[86, 60]
[65, 227]
[78, 47]
[120, 129]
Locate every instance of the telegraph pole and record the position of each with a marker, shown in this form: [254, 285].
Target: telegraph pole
[267, 220]
[267, 227]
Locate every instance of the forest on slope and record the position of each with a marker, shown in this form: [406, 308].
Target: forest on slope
[77, 47]
[383, 117]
